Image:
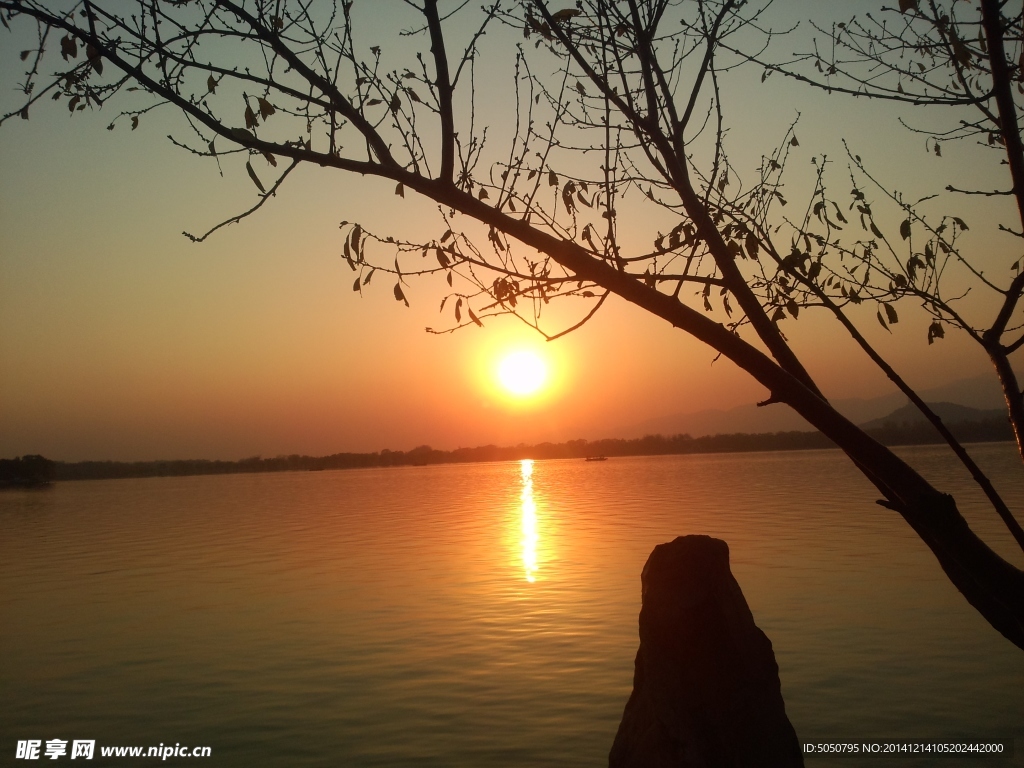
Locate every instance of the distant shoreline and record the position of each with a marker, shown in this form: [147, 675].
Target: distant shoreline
[892, 434]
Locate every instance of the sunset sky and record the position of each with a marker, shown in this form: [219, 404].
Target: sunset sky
[121, 339]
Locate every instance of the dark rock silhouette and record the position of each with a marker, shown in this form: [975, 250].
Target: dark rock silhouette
[706, 689]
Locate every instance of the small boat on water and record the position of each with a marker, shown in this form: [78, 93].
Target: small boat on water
[596, 458]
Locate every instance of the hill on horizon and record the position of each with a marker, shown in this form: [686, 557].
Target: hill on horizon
[950, 413]
[980, 393]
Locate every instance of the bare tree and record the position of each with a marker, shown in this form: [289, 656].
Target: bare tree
[608, 99]
[965, 65]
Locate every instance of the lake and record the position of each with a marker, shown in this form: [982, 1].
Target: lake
[476, 615]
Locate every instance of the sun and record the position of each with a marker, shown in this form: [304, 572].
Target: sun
[522, 373]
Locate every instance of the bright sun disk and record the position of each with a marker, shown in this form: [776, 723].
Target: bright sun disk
[522, 373]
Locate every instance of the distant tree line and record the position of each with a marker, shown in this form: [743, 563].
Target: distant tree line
[894, 433]
[26, 471]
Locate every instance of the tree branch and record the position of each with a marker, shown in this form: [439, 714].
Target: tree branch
[444, 91]
[263, 199]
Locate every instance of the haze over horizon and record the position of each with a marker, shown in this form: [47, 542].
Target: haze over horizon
[122, 340]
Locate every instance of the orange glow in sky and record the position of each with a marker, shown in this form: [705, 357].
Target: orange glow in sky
[121, 339]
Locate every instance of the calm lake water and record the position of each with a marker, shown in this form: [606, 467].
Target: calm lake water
[474, 615]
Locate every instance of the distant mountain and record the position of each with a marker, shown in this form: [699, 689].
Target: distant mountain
[906, 425]
[950, 413]
[752, 419]
[980, 393]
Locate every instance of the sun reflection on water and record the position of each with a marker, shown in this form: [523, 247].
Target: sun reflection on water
[529, 522]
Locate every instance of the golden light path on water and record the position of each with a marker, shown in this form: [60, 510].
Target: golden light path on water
[529, 522]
